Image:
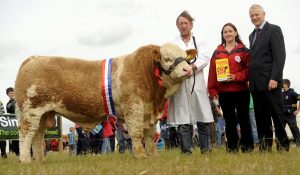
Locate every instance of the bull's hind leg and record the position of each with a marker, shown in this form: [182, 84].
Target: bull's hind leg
[29, 124]
[149, 140]
[38, 140]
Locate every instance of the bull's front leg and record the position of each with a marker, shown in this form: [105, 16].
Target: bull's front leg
[149, 140]
[134, 114]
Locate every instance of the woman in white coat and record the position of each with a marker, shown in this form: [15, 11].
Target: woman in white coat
[190, 104]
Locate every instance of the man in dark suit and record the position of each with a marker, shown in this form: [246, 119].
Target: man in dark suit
[267, 50]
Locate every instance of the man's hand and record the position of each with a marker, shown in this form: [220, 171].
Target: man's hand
[272, 84]
[296, 112]
[216, 97]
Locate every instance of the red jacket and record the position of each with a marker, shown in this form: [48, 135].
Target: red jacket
[238, 60]
[107, 129]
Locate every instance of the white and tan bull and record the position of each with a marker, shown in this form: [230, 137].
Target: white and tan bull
[72, 88]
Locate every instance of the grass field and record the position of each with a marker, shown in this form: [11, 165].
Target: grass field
[167, 162]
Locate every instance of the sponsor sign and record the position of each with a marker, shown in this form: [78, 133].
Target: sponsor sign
[9, 128]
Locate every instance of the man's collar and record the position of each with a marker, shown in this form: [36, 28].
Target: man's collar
[189, 38]
[262, 25]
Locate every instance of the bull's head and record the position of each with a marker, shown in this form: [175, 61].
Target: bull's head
[172, 64]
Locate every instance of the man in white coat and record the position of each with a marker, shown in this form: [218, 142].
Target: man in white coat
[190, 104]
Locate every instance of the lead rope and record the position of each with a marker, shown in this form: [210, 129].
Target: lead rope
[194, 40]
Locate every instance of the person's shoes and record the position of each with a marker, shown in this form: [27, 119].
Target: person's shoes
[232, 151]
[206, 151]
[282, 147]
[297, 143]
[247, 149]
[265, 147]
[4, 156]
[186, 153]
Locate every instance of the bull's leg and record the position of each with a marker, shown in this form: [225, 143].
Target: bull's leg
[135, 123]
[38, 140]
[29, 124]
[149, 140]
[135, 129]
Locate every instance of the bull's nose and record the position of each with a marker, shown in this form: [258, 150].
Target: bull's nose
[185, 70]
[188, 70]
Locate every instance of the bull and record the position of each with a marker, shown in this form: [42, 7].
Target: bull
[74, 88]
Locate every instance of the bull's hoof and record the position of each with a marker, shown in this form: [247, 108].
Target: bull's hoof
[139, 156]
[153, 154]
[27, 161]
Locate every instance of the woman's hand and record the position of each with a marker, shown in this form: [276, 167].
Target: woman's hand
[231, 77]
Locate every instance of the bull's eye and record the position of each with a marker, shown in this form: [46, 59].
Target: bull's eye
[168, 60]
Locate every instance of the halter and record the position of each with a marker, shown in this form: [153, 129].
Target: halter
[172, 67]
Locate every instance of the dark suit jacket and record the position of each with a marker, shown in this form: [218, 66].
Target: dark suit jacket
[267, 57]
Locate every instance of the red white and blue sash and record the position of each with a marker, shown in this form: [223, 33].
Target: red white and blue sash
[106, 87]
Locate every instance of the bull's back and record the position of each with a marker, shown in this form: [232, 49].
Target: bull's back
[72, 82]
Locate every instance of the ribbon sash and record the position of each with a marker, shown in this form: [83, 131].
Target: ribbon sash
[106, 87]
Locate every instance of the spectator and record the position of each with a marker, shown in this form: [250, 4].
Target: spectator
[219, 120]
[95, 139]
[267, 51]
[120, 138]
[160, 144]
[54, 144]
[2, 111]
[253, 121]
[113, 121]
[227, 82]
[82, 143]
[190, 104]
[164, 130]
[108, 132]
[290, 99]
[10, 108]
[2, 142]
[72, 141]
[128, 141]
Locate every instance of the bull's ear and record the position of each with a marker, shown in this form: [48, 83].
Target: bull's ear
[191, 53]
[156, 54]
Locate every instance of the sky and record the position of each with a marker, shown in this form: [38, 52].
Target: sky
[97, 29]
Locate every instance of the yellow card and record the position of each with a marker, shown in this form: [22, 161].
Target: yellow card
[222, 69]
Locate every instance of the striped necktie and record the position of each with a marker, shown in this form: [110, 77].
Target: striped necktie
[257, 31]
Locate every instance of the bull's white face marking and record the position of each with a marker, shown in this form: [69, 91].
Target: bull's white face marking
[31, 92]
[169, 53]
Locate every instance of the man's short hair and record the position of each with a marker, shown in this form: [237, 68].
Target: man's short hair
[287, 82]
[10, 89]
[186, 15]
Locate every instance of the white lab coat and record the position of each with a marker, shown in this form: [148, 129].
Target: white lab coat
[187, 108]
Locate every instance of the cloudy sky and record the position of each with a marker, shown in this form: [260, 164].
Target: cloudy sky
[97, 29]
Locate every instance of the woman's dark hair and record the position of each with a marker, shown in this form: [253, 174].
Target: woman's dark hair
[186, 15]
[237, 38]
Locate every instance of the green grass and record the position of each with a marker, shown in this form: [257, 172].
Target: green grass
[167, 162]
